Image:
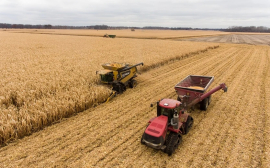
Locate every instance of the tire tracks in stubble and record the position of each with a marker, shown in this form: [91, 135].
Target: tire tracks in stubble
[221, 129]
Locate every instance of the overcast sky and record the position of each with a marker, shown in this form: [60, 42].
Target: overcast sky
[167, 13]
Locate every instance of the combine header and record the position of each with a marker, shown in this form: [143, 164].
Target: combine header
[119, 76]
[165, 131]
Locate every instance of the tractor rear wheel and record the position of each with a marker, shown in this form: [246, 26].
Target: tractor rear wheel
[204, 104]
[188, 124]
[173, 142]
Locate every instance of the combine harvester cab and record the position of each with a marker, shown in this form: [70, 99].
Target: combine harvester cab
[119, 76]
[165, 131]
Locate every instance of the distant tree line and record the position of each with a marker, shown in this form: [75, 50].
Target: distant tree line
[260, 29]
[106, 27]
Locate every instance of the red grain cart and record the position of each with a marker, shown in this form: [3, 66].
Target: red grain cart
[192, 90]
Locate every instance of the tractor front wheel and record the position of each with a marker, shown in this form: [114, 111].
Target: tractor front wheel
[173, 142]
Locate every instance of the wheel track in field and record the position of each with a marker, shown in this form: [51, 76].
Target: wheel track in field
[221, 161]
[244, 120]
[265, 107]
[220, 127]
[119, 143]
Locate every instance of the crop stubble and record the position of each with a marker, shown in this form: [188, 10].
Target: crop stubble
[233, 131]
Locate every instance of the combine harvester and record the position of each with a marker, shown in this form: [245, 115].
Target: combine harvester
[119, 76]
[165, 131]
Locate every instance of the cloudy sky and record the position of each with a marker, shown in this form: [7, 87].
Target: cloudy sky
[167, 13]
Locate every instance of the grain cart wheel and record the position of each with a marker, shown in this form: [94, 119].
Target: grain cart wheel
[209, 100]
[204, 104]
[173, 143]
[188, 124]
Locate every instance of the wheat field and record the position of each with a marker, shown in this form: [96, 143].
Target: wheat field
[45, 78]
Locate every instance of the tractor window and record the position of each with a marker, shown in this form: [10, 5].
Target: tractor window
[167, 112]
[107, 77]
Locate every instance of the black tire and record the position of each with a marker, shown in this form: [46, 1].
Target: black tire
[209, 100]
[173, 143]
[188, 124]
[119, 87]
[132, 83]
[204, 104]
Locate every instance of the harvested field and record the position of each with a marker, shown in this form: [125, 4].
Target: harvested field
[233, 132]
[255, 39]
[126, 33]
[45, 78]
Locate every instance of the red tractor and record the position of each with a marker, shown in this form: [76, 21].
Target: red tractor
[165, 131]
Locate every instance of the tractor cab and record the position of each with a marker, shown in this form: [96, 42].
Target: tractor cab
[106, 76]
[168, 107]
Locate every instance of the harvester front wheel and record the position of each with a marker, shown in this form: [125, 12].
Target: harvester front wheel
[173, 143]
[119, 87]
[204, 104]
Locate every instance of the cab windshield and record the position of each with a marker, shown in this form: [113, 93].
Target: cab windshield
[108, 77]
[166, 112]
